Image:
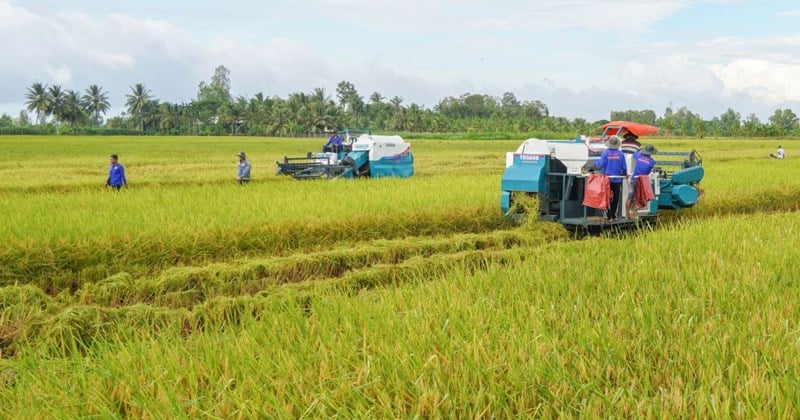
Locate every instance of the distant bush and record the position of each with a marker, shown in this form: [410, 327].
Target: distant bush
[49, 129]
[503, 135]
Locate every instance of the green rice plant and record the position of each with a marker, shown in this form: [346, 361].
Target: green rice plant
[57, 265]
[699, 321]
[342, 271]
[189, 296]
[250, 276]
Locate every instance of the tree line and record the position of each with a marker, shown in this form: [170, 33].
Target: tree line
[215, 111]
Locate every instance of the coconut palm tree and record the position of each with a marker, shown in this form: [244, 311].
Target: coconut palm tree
[56, 106]
[137, 101]
[232, 114]
[319, 95]
[96, 102]
[396, 101]
[281, 118]
[38, 101]
[72, 109]
[169, 116]
[376, 97]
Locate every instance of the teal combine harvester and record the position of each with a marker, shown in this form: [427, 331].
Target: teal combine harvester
[555, 172]
[362, 155]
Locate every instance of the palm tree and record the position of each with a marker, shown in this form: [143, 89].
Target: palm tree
[401, 120]
[72, 108]
[38, 101]
[233, 114]
[56, 108]
[280, 116]
[396, 101]
[96, 102]
[297, 103]
[169, 116]
[257, 112]
[319, 95]
[376, 97]
[137, 101]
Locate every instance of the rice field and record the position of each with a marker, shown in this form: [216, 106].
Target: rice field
[188, 295]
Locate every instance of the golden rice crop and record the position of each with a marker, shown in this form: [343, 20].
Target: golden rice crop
[187, 295]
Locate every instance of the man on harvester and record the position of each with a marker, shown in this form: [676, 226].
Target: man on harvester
[630, 143]
[334, 143]
[640, 189]
[612, 162]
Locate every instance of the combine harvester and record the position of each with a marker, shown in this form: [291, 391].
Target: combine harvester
[362, 155]
[555, 172]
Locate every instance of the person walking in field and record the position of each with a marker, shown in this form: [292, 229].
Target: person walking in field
[116, 174]
[612, 162]
[643, 165]
[243, 174]
[778, 154]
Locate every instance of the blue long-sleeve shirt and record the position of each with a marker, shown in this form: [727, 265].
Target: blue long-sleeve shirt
[612, 162]
[643, 164]
[116, 175]
[244, 169]
[334, 140]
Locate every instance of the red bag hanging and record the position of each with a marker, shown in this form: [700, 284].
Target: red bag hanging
[644, 191]
[597, 193]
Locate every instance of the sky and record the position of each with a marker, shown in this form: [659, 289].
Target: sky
[583, 58]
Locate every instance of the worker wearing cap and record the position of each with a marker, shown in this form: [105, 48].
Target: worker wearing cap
[243, 175]
[334, 143]
[642, 166]
[116, 174]
[612, 162]
[630, 143]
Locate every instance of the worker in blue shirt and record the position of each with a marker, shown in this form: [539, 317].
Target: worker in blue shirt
[612, 162]
[243, 174]
[334, 143]
[116, 174]
[643, 164]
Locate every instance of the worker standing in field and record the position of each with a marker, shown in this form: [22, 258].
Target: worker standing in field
[116, 174]
[643, 165]
[778, 154]
[612, 162]
[334, 143]
[243, 174]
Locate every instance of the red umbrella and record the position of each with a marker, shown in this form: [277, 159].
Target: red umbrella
[638, 129]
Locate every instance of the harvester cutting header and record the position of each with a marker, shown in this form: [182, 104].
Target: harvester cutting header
[561, 175]
[359, 153]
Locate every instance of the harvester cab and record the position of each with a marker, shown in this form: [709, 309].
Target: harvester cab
[362, 154]
[555, 172]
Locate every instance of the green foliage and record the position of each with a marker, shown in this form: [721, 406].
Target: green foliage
[96, 102]
[215, 112]
[140, 103]
[38, 101]
[646, 116]
[218, 90]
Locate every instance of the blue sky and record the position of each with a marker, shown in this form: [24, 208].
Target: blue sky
[581, 57]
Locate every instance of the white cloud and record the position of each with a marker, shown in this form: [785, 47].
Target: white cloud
[773, 83]
[564, 52]
[59, 74]
[523, 15]
[789, 13]
[761, 73]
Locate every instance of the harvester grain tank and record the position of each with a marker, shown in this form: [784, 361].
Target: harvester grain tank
[555, 172]
[363, 154]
